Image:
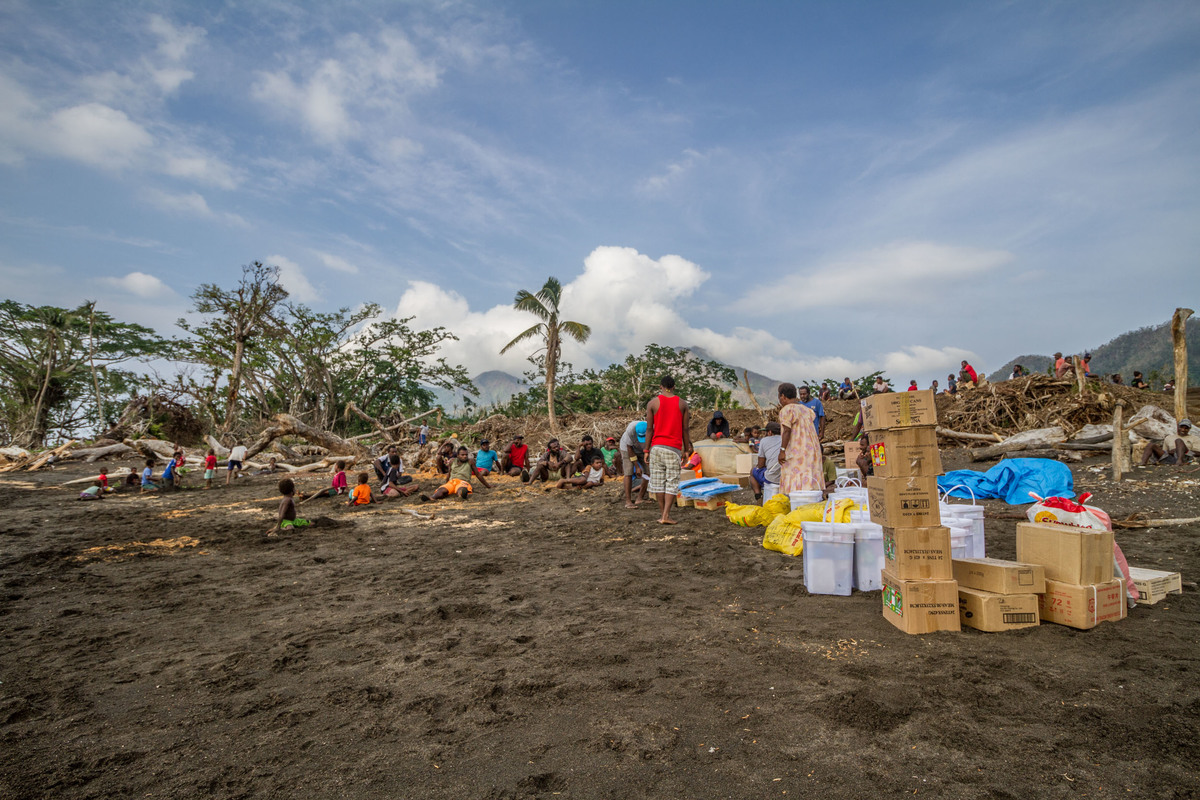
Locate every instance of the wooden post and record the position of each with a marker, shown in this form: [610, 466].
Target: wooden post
[1080, 380]
[1120, 443]
[1179, 337]
[754, 400]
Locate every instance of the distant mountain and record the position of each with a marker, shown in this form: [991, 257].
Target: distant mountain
[764, 387]
[495, 388]
[1148, 350]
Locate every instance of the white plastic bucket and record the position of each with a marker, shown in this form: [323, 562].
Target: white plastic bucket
[805, 498]
[828, 557]
[770, 490]
[959, 541]
[970, 516]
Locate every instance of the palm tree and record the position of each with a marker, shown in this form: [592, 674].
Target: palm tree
[544, 306]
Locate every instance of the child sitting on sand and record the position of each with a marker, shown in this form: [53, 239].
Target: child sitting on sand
[394, 478]
[361, 494]
[103, 481]
[148, 484]
[286, 517]
[339, 485]
[461, 471]
[93, 492]
[592, 477]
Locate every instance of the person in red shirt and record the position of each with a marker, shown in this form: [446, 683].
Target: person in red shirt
[912, 386]
[515, 458]
[210, 468]
[668, 439]
[968, 374]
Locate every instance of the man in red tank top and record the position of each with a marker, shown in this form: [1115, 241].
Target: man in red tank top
[515, 459]
[668, 440]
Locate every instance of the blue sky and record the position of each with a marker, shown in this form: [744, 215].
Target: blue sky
[806, 189]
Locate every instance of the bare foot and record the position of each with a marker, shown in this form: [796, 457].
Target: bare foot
[631, 505]
[668, 521]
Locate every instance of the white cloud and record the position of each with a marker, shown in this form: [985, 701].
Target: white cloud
[630, 300]
[200, 168]
[897, 272]
[190, 203]
[98, 135]
[292, 276]
[336, 263]
[140, 284]
[673, 174]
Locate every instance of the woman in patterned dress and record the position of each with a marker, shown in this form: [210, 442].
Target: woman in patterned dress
[800, 453]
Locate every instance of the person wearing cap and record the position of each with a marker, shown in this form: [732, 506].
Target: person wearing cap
[632, 453]
[555, 462]
[515, 460]
[486, 458]
[612, 457]
[586, 452]
[1175, 447]
[718, 426]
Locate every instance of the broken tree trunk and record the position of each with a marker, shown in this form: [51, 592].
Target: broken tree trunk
[92, 454]
[352, 408]
[1119, 444]
[287, 425]
[397, 426]
[152, 448]
[753, 399]
[1080, 378]
[1179, 338]
[50, 456]
[1042, 438]
[219, 450]
[970, 437]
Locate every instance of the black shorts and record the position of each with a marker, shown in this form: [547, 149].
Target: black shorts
[234, 465]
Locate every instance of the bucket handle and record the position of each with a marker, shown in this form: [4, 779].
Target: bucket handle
[960, 486]
[845, 481]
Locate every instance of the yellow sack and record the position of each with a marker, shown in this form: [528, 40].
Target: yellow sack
[748, 516]
[778, 504]
[784, 536]
[841, 510]
[813, 512]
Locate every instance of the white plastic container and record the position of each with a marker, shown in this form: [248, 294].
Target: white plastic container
[868, 556]
[829, 557]
[970, 516]
[959, 541]
[805, 498]
[770, 490]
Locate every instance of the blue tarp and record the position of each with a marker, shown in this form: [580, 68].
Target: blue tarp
[1012, 480]
[705, 487]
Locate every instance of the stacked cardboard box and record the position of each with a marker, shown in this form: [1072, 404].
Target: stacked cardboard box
[995, 595]
[1081, 591]
[919, 591]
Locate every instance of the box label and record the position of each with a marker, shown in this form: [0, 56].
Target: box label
[893, 600]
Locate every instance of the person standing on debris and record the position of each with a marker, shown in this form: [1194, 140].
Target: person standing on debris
[423, 434]
[968, 374]
[1175, 447]
[515, 460]
[814, 405]
[633, 452]
[800, 449]
[668, 439]
[718, 426]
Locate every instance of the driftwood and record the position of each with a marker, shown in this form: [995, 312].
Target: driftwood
[219, 450]
[397, 426]
[1136, 521]
[49, 456]
[287, 425]
[753, 399]
[1120, 448]
[1048, 452]
[969, 437]
[1179, 340]
[352, 408]
[152, 448]
[92, 454]
[328, 463]
[1040, 439]
[120, 473]
[15, 454]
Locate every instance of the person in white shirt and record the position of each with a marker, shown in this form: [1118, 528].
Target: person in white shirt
[236, 456]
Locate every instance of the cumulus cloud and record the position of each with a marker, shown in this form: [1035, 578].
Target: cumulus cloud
[630, 300]
[140, 284]
[292, 276]
[98, 135]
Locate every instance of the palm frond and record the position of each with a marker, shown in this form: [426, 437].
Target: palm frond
[530, 333]
[550, 294]
[530, 302]
[576, 330]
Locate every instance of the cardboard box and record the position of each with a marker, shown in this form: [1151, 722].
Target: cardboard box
[999, 577]
[683, 502]
[920, 606]
[687, 475]
[918, 553]
[899, 410]
[739, 480]
[904, 452]
[988, 611]
[1082, 607]
[1153, 585]
[904, 502]
[851, 451]
[709, 505]
[744, 462]
[1070, 555]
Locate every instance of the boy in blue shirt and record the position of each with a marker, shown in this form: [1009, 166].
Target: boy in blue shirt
[486, 458]
[148, 484]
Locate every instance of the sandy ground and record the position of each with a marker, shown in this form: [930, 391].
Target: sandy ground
[530, 644]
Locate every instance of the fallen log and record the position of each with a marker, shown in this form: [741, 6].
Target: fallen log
[1096, 447]
[970, 437]
[1047, 452]
[152, 448]
[15, 453]
[397, 426]
[219, 450]
[112, 476]
[287, 425]
[352, 408]
[50, 456]
[1132, 522]
[328, 463]
[92, 454]
[1041, 438]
